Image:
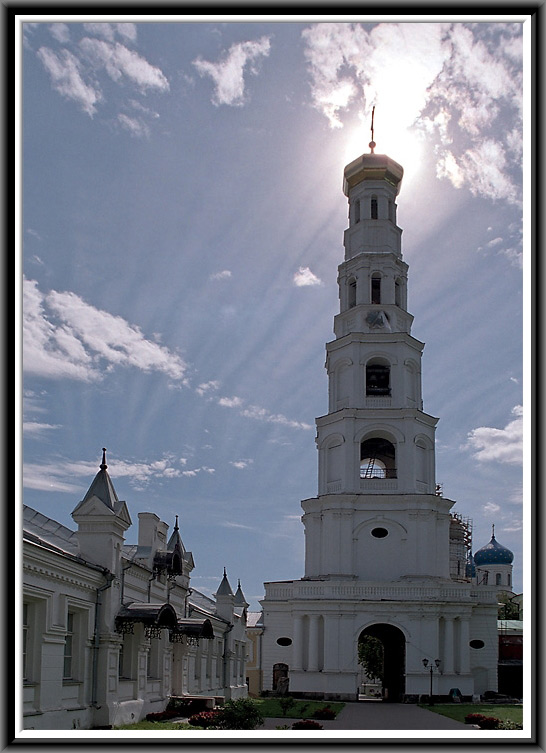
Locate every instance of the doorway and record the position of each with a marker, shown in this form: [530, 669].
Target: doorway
[382, 654]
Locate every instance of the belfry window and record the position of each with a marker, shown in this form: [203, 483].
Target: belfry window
[377, 380]
[357, 211]
[373, 208]
[351, 288]
[376, 288]
[377, 459]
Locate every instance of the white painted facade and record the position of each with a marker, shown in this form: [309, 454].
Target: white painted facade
[112, 631]
[381, 548]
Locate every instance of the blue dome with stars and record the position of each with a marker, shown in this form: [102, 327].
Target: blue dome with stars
[493, 554]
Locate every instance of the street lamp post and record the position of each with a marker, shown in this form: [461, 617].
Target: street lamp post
[436, 663]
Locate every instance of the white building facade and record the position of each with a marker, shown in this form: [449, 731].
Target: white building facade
[112, 631]
[382, 549]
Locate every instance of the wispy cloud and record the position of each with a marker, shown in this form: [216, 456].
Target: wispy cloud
[65, 337]
[499, 445]
[37, 430]
[241, 464]
[75, 70]
[61, 32]
[54, 475]
[305, 278]
[120, 62]
[261, 414]
[231, 524]
[136, 126]
[225, 274]
[66, 75]
[229, 73]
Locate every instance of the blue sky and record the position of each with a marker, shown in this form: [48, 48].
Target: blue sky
[182, 222]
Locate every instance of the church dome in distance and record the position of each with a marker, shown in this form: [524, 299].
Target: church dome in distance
[493, 553]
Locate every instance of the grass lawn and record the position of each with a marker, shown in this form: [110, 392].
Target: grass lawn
[458, 711]
[270, 707]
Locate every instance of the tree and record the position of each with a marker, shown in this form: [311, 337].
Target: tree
[370, 656]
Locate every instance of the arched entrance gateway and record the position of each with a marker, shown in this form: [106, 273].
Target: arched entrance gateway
[382, 653]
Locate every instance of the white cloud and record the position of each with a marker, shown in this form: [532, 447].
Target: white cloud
[499, 445]
[304, 278]
[119, 61]
[223, 275]
[241, 464]
[491, 508]
[205, 387]
[66, 78]
[230, 402]
[65, 337]
[228, 74]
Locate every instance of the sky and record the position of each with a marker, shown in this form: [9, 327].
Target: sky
[181, 225]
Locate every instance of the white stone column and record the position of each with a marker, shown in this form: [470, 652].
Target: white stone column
[448, 666]
[312, 660]
[297, 641]
[331, 642]
[463, 644]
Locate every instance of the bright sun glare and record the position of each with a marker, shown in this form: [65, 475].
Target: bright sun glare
[399, 143]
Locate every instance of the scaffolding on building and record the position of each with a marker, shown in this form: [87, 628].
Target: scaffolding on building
[460, 547]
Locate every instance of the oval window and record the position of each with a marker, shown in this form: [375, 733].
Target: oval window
[380, 533]
[476, 644]
[284, 641]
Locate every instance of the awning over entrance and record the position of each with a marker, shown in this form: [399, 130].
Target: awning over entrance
[154, 617]
[191, 629]
[158, 617]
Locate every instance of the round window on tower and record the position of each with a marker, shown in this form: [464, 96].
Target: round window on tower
[284, 641]
[476, 644]
[379, 533]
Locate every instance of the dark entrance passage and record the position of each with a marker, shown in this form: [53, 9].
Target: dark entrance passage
[388, 659]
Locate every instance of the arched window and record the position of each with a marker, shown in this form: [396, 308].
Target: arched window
[376, 288]
[373, 208]
[377, 379]
[498, 579]
[377, 459]
[398, 293]
[351, 289]
[357, 211]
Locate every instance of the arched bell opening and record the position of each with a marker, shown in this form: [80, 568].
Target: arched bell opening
[377, 458]
[378, 376]
[382, 656]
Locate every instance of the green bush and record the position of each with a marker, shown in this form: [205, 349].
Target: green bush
[242, 713]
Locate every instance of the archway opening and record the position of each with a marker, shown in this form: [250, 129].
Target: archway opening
[382, 656]
[377, 458]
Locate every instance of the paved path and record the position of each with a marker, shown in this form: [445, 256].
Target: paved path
[375, 715]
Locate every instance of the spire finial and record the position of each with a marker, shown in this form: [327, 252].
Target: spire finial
[103, 465]
[225, 574]
[493, 531]
[372, 142]
[176, 522]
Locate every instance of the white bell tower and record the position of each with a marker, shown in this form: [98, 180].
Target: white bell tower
[376, 444]
[377, 535]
